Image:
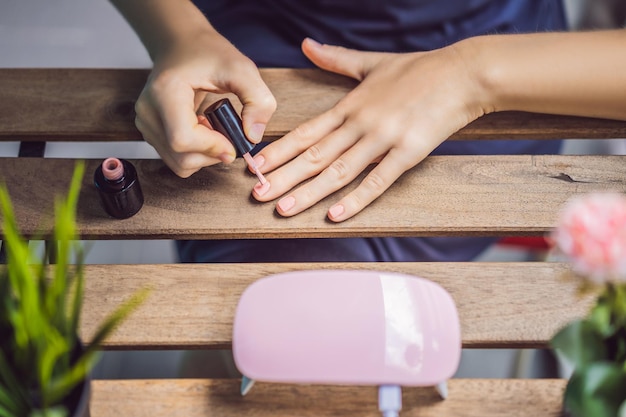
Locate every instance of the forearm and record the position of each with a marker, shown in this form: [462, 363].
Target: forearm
[580, 74]
[163, 24]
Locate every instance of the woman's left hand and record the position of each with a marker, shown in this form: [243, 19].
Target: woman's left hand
[403, 108]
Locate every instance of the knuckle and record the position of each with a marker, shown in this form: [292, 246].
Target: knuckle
[139, 124]
[361, 120]
[343, 107]
[306, 196]
[374, 183]
[143, 128]
[141, 109]
[368, 118]
[268, 101]
[244, 67]
[313, 155]
[339, 169]
[185, 166]
[264, 102]
[179, 143]
[163, 80]
[353, 202]
[183, 173]
[302, 131]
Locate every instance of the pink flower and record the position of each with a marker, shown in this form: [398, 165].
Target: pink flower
[591, 232]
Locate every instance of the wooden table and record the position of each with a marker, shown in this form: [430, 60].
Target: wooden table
[509, 304]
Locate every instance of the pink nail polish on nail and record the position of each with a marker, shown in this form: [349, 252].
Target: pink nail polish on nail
[336, 211]
[287, 203]
[261, 188]
[256, 131]
[258, 160]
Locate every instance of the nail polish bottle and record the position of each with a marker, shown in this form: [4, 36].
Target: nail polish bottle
[118, 186]
[223, 117]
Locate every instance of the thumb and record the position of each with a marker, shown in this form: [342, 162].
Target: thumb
[259, 105]
[349, 62]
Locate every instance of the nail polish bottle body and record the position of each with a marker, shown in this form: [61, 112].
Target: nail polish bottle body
[121, 198]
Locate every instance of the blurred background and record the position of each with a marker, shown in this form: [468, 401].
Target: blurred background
[91, 34]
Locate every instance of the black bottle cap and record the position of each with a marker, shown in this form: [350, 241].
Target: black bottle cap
[224, 119]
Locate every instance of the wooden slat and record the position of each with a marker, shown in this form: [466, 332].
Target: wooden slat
[444, 195]
[193, 305]
[98, 104]
[191, 398]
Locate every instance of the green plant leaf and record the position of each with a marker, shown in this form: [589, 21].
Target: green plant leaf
[622, 410]
[64, 383]
[19, 273]
[596, 390]
[64, 236]
[55, 348]
[619, 305]
[77, 302]
[580, 343]
[7, 403]
[6, 413]
[40, 314]
[57, 411]
[11, 388]
[115, 318]
[600, 317]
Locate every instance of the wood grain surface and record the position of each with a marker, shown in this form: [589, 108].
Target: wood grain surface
[193, 305]
[56, 104]
[196, 398]
[443, 196]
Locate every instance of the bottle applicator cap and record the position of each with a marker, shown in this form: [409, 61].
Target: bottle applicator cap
[223, 117]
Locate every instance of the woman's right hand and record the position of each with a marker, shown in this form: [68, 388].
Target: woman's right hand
[185, 70]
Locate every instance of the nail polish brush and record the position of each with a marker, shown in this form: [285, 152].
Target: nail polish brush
[224, 119]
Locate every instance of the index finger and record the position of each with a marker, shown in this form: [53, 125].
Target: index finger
[182, 128]
[299, 140]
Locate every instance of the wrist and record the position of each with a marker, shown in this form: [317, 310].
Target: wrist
[165, 25]
[191, 41]
[479, 77]
[483, 73]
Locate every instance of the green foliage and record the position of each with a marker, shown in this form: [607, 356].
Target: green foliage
[41, 356]
[596, 390]
[596, 347]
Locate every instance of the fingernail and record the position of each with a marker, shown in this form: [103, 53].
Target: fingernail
[261, 189]
[336, 211]
[259, 160]
[287, 203]
[256, 132]
[313, 43]
[226, 157]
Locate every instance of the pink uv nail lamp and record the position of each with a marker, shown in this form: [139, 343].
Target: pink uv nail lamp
[347, 327]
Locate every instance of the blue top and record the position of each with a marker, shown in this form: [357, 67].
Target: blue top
[270, 33]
